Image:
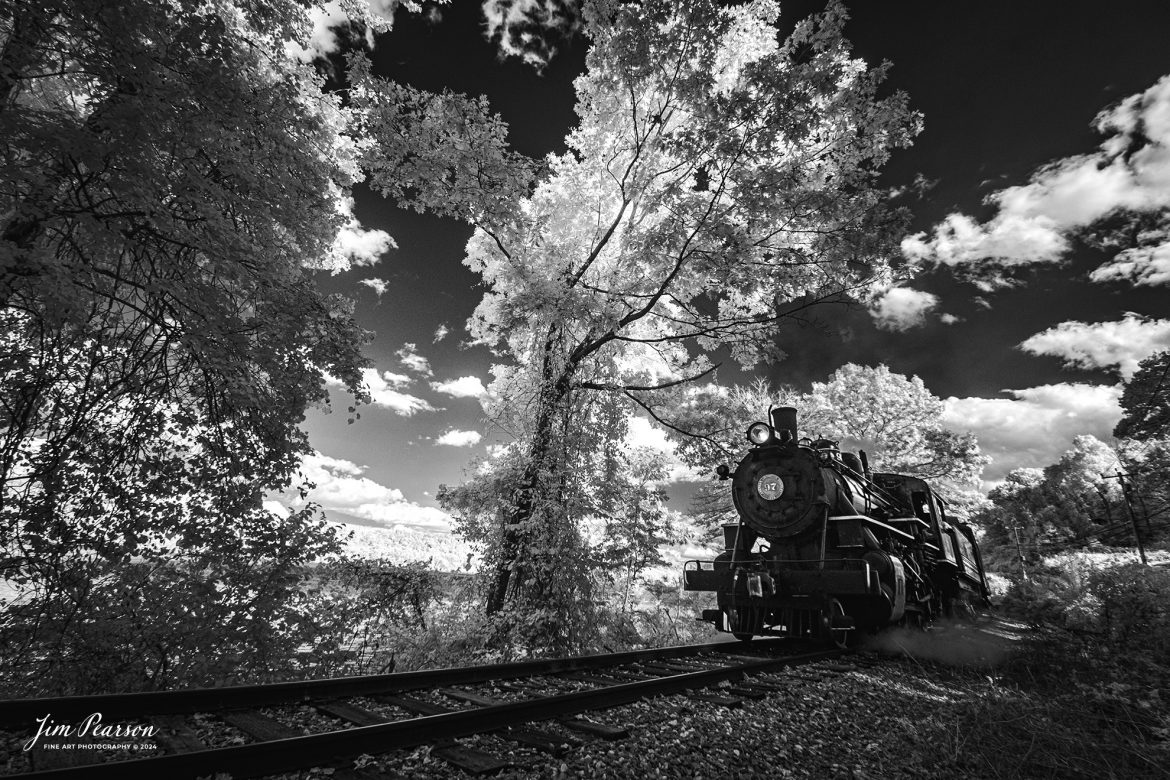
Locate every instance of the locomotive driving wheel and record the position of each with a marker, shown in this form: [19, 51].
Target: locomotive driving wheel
[842, 638]
[744, 622]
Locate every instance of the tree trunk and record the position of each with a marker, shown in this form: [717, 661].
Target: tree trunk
[554, 382]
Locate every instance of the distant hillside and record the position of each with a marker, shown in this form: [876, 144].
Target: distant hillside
[404, 545]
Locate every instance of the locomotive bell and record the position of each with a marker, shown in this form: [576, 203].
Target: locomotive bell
[784, 419]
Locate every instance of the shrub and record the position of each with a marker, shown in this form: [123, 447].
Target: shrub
[1133, 606]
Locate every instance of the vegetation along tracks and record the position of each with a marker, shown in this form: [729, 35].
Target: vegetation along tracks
[535, 692]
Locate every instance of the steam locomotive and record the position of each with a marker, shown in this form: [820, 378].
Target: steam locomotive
[826, 549]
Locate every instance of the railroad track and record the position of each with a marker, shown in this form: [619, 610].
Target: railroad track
[373, 714]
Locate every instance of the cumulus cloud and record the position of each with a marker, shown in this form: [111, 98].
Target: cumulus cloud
[1130, 171]
[530, 29]
[1036, 425]
[1144, 265]
[377, 285]
[409, 357]
[322, 39]
[441, 332]
[341, 486]
[901, 308]
[324, 22]
[463, 387]
[457, 438]
[354, 245]
[386, 391]
[1119, 345]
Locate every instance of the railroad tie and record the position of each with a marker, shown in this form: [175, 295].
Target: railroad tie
[747, 692]
[259, 727]
[410, 704]
[713, 698]
[541, 740]
[470, 698]
[175, 736]
[476, 762]
[593, 728]
[763, 685]
[593, 679]
[351, 714]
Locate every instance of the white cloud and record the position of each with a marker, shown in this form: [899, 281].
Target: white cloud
[1033, 220]
[409, 357]
[1008, 238]
[463, 387]
[376, 15]
[1119, 345]
[342, 487]
[354, 245]
[1037, 425]
[526, 28]
[457, 438]
[322, 40]
[340, 484]
[385, 392]
[396, 381]
[377, 285]
[1146, 265]
[949, 319]
[441, 332]
[901, 308]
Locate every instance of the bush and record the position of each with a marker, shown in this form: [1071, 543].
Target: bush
[1126, 605]
[1133, 606]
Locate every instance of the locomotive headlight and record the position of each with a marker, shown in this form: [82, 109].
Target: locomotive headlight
[770, 487]
[759, 433]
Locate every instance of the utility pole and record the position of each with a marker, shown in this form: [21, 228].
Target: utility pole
[1020, 551]
[1120, 477]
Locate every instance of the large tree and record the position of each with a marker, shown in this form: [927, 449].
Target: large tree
[715, 174]
[171, 174]
[897, 421]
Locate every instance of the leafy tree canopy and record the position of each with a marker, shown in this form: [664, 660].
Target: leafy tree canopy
[716, 174]
[1145, 401]
[170, 176]
[1066, 499]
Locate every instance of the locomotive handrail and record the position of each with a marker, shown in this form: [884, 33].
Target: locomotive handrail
[700, 561]
[878, 523]
[918, 520]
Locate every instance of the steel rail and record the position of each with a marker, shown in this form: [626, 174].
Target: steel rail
[20, 713]
[286, 755]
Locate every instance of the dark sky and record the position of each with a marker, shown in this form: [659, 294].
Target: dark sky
[1005, 87]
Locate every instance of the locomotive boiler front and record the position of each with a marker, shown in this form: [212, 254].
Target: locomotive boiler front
[781, 489]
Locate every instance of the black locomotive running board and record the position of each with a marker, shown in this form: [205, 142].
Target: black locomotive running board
[22, 713]
[285, 755]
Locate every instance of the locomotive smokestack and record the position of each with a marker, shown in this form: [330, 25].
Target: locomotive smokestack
[784, 419]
